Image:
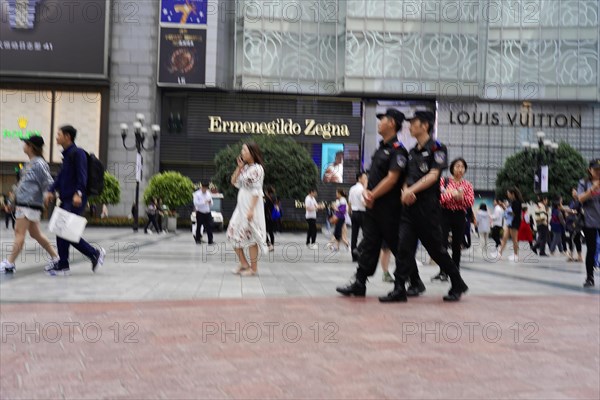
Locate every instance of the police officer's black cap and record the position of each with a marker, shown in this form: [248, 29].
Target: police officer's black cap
[396, 115]
[35, 140]
[424, 116]
[595, 163]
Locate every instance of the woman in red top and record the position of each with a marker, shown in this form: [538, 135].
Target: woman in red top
[456, 197]
[525, 234]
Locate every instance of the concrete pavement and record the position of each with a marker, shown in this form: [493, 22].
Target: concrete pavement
[165, 318]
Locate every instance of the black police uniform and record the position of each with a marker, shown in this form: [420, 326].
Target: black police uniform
[422, 220]
[381, 222]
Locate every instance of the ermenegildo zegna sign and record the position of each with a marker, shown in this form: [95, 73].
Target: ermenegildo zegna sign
[279, 126]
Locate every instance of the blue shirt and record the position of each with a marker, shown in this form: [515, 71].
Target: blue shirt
[72, 176]
[508, 215]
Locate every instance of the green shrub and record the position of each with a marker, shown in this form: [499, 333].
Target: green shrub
[174, 189]
[111, 194]
[288, 167]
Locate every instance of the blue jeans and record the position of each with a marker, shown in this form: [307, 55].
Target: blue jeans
[83, 247]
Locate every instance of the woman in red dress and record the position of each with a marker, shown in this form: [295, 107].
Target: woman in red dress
[525, 234]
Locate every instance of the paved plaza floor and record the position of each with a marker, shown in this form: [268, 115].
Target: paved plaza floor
[165, 318]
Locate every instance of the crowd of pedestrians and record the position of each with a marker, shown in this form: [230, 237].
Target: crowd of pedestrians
[402, 201]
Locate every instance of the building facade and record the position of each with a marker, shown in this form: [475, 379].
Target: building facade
[495, 72]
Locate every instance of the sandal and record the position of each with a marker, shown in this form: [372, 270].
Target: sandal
[241, 268]
[249, 272]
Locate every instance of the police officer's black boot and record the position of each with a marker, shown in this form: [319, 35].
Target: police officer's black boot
[458, 288]
[398, 295]
[354, 288]
[415, 289]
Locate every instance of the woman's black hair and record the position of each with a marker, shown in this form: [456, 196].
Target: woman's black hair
[517, 193]
[453, 163]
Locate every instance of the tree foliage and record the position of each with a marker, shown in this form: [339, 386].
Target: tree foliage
[111, 194]
[566, 167]
[288, 167]
[174, 189]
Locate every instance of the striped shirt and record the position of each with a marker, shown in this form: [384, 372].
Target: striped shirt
[448, 186]
[35, 180]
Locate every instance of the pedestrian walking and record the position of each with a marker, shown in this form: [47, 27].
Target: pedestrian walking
[497, 222]
[202, 203]
[269, 202]
[71, 184]
[456, 197]
[421, 214]
[9, 210]
[574, 227]
[589, 197]
[484, 221]
[356, 207]
[311, 206]
[35, 180]
[516, 208]
[382, 215]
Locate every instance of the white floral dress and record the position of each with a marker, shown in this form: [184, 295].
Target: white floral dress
[241, 232]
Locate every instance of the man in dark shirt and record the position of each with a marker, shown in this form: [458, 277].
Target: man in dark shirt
[421, 214]
[382, 216]
[71, 184]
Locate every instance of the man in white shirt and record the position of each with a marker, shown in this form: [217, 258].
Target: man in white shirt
[357, 209]
[202, 203]
[311, 205]
[497, 216]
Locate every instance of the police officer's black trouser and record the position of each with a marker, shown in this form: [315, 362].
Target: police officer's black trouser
[379, 224]
[422, 222]
[453, 221]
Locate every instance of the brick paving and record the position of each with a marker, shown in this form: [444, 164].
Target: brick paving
[172, 322]
[518, 347]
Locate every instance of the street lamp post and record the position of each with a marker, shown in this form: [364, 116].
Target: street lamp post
[140, 132]
[542, 150]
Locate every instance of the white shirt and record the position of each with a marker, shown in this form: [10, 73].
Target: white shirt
[311, 202]
[355, 197]
[483, 221]
[497, 216]
[202, 201]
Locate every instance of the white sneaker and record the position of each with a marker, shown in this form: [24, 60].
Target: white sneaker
[53, 263]
[513, 258]
[6, 267]
[313, 246]
[100, 260]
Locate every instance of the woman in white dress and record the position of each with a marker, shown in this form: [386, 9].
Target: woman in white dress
[247, 225]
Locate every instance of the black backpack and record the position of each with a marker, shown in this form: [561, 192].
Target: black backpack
[95, 174]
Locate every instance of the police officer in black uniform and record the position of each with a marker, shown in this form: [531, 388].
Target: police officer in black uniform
[422, 211]
[383, 210]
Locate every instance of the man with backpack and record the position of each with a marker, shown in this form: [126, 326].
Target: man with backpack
[73, 188]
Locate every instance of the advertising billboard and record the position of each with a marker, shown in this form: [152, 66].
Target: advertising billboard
[54, 38]
[182, 56]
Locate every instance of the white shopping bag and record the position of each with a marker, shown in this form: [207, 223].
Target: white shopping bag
[67, 225]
